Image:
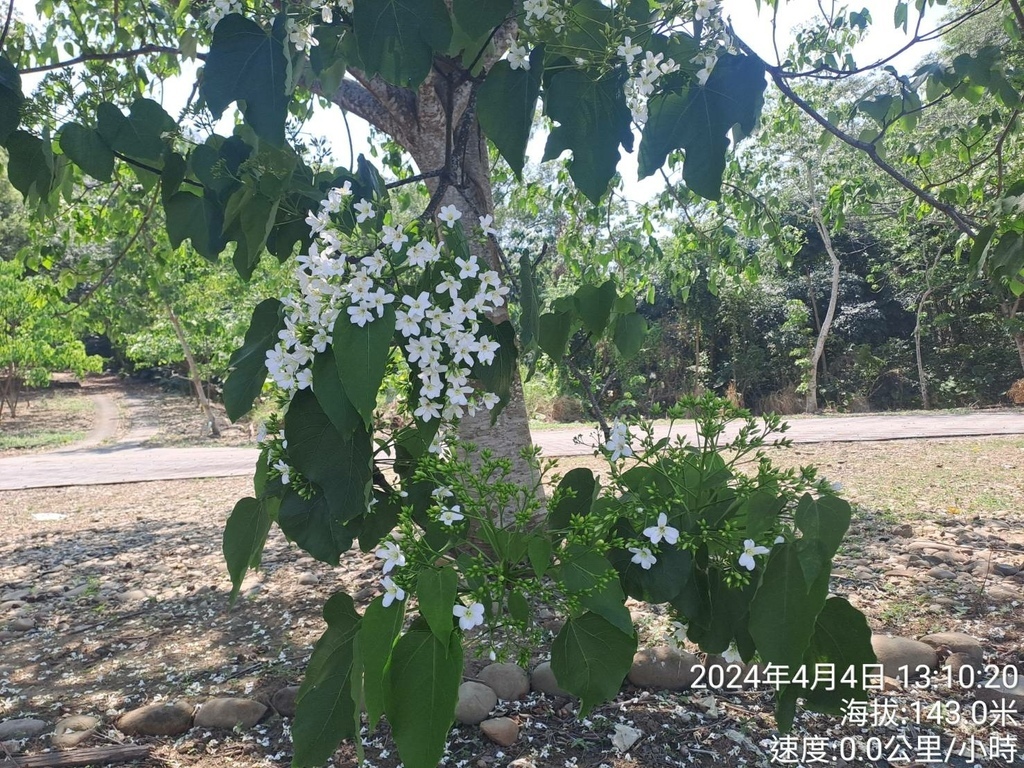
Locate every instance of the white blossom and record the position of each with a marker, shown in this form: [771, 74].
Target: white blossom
[518, 57]
[643, 557]
[392, 591]
[750, 551]
[449, 215]
[470, 616]
[662, 531]
[392, 556]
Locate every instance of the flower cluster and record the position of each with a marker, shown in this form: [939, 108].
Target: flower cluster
[219, 9]
[546, 12]
[641, 85]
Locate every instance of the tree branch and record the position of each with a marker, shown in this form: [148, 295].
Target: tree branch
[7, 23]
[143, 51]
[355, 98]
[779, 78]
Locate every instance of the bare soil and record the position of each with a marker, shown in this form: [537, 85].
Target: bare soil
[127, 591]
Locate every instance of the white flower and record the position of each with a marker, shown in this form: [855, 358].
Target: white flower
[662, 531]
[618, 442]
[449, 284]
[365, 211]
[449, 215]
[469, 617]
[704, 8]
[360, 315]
[418, 306]
[451, 515]
[750, 551]
[378, 299]
[467, 267]
[705, 72]
[732, 655]
[392, 591]
[780, 539]
[629, 51]
[406, 325]
[375, 263]
[485, 225]
[392, 556]
[284, 469]
[486, 349]
[427, 410]
[643, 557]
[304, 378]
[394, 237]
[518, 57]
[301, 36]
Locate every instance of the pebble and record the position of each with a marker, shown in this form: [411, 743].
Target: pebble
[956, 642]
[157, 720]
[284, 700]
[543, 680]
[897, 653]
[133, 596]
[905, 531]
[74, 731]
[501, 730]
[309, 579]
[1004, 593]
[476, 701]
[509, 681]
[664, 668]
[996, 693]
[230, 713]
[941, 573]
[22, 624]
[22, 728]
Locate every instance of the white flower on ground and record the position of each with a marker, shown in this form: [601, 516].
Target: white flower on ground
[629, 51]
[364, 209]
[518, 57]
[392, 556]
[750, 551]
[485, 225]
[449, 215]
[392, 592]
[451, 515]
[643, 557]
[618, 442]
[662, 531]
[470, 616]
[284, 469]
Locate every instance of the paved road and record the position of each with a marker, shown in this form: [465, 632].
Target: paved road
[130, 463]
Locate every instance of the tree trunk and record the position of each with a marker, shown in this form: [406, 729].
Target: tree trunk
[1018, 336]
[193, 371]
[922, 378]
[811, 404]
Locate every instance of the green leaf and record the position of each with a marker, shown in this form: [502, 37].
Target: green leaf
[593, 120]
[196, 218]
[325, 712]
[590, 658]
[497, 377]
[506, 106]
[629, 335]
[362, 355]
[594, 305]
[140, 133]
[245, 535]
[784, 610]
[340, 465]
[381, 626]
[30, 166]
[397, 39]
[420, 694]
[574, 495]
[841, 641]
[248, 363]
[331, 394]
[529, 315]
[436, 591]
[479, 17]
[539, 552]
[247, 64]
[518, 607]
[824, 522]
[312, 525]
[87, 150]
[553, 333]
[11, 99]
[699, 119]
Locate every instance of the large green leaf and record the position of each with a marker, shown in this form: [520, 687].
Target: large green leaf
[325, 712]
[593, 121]
[397, 39]
[420, 694]
[479, 17]
[198, 219]
[248, 363]
[245, 535]
[361, 355]
[381, 626]
[785, 608]
[140, 133]
[87, 150]
[331, 394]
[594, 305]
[590, 658]
[436, 591]
[312, 525]
[340, 465]
[30, 165]
[529, 314]
[841, 641]
[248, 219]
[824, 522]
[699, 119]
[553, 329]
[247, 63]
[11, 99]
[574, 496]
[506, 104]
[630, 332]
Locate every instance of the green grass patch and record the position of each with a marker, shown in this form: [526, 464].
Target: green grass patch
[36, 440]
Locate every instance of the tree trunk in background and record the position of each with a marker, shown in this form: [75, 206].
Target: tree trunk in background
[922, 378]
[193, 371]
[811, 404]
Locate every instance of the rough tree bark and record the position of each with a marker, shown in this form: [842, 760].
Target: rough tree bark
[811, 404]
[437, 125]
[193, 371]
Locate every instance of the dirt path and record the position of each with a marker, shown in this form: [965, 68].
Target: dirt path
[128, 462]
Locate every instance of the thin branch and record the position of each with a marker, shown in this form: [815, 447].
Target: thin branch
[145, 167]
[7, 23]
[414, 179]
[779, 78]
[351, 146]
[1018, 14]
[144, 50]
